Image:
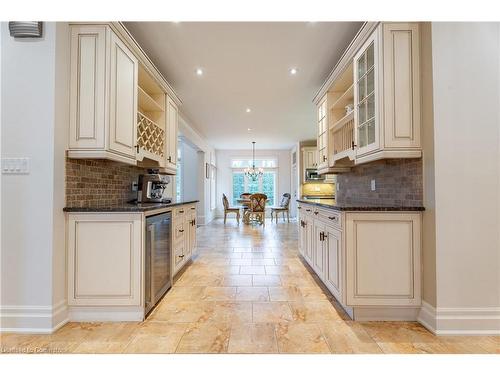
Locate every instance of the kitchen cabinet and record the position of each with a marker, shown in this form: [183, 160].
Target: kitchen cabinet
[171, 144]
[107, 275]
[184, 236]
[106, 254]
[369, 261]
[121, 108]
[379, 76]
[334, 260]
[310, 157]
[383, 259]
[387, 94]
[102, 125]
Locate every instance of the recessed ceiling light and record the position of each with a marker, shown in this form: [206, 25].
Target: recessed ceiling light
[293, 71]
[249, 129]
[199, 72]
[248, 110]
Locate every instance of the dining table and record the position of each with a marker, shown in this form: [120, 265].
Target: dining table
[245, 203]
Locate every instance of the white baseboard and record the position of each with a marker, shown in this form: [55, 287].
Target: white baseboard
[33, 319]
[105, 314]
[460, 321]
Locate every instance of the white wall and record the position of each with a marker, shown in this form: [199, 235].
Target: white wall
[33, 120]
[224, 171]
[206, 155]
[190, 168]
[466, 95]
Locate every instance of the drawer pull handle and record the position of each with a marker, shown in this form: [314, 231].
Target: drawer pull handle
[316, 212]
[181, 230]
[181, 212]
[308, 210]
[193, 208]
[332, 217]
[181, 256]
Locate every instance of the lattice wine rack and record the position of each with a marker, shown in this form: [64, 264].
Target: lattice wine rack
[150, 137]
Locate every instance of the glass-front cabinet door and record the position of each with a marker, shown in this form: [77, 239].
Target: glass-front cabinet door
[322, 134]
[366, 97]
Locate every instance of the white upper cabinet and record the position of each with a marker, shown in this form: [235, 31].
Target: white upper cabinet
[121, 107]
[123, 99]
[171, 144]
[387, 94]
[379, 76]
[88, 87]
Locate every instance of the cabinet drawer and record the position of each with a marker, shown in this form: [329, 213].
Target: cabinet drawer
[179, 255]
[179, 230]
[179, 212]
[329, 217]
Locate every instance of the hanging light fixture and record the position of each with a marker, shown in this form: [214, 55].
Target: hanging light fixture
[253, 173]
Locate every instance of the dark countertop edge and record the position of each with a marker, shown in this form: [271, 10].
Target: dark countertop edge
[362, 208]
[127, 207]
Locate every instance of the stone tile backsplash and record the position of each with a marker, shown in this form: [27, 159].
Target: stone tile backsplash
[398, 182]
[99, 183]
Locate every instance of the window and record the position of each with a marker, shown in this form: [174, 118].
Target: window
[265, 184]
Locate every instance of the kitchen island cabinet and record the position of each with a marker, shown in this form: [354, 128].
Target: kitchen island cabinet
[368, 257]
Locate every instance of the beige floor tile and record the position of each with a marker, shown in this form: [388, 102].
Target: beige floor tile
[278, 270]
[312, 293]
[205, 338]
[288, 293]
[157, 337]
[237, 280]
[253, 338]
[100, 347]
[219, 293]
[252, 256]
[300, 338]
[348, 337]
[266, 280]
[253, 293]
[263, 262]
[184, 293]
[183, 312]
[232, 312]
[271, 312]
[111, 332]
[252, 270]
[314, 311]
[241, 262]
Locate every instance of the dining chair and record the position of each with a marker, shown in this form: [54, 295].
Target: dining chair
[229, 210]
[257, 209]
[284, 207]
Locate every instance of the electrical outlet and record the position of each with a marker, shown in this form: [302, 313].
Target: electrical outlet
[373, 185]
[15, 166]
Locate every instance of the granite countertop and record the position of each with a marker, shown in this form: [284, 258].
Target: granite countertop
[332, 204]
[128, 207]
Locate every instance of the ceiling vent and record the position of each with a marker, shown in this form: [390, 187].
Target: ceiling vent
[30, 29]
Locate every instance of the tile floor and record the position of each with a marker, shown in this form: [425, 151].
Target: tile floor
[247, 291]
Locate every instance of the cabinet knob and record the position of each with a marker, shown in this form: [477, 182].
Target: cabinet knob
[170, 159]
[324, 158]
[316, 212]
[181, 256]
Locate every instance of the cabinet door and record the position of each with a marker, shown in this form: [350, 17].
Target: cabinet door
[401, 85]
[123, 99]
[104, 259]
[319, 249]
[171, 141]
[322, 143]
[88, 87]
[383, 259]
[333, 256]
[307, 239]
[366, 96]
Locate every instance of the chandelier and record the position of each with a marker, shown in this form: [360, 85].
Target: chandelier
[253, 173]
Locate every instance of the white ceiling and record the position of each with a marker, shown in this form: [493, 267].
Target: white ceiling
[246, 65]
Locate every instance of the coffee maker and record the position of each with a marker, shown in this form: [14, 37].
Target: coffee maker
[151, 187]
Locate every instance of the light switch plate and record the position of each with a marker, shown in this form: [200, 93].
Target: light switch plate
[373, 185]
[15, 165]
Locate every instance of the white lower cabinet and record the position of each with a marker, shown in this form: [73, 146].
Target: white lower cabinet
[370, 261]
[105, 259]
[383, 259]
[334, 261]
